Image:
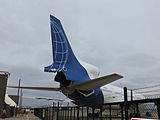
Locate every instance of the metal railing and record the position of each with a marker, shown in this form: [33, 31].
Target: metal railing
[146, 108]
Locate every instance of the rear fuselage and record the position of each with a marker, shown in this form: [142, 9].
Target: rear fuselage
[82, 97]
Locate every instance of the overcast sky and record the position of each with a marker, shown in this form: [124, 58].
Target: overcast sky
[119, 36]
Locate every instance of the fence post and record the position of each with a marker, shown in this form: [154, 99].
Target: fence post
[77, 112]
[110, 112]
[137, 110]
[63, 113]
[47, 112]
[93, 114]
[131, 95]
[126, 103]
[68, 112]
[71, 112]
[121, 105]
[57, 111]
[53, 111]
[74, 117]
[101, 113]
[87, 112]
[82, 112]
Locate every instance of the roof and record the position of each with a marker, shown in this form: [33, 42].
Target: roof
[4, 73]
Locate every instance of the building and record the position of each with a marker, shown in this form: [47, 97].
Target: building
[3, 84]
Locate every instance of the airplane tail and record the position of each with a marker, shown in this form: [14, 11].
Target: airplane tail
[64, 59]
[60, 46]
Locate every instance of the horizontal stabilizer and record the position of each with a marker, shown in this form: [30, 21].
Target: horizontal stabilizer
[95, 83]
[45, 98]
[37, 88]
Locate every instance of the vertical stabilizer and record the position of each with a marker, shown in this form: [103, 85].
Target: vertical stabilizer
[64, 59]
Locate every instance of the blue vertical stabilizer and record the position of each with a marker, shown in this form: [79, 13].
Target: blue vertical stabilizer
[64, 59]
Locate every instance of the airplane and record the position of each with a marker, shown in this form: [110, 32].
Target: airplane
[78, 80]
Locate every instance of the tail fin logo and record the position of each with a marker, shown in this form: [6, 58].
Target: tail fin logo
[59, 43]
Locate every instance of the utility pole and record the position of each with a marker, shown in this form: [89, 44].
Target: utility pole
[18, 96]
[19, 84]
[20, 100]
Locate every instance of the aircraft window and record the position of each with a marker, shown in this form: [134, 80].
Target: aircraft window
[86, 93]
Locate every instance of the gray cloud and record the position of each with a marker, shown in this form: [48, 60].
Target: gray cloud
[117, 36]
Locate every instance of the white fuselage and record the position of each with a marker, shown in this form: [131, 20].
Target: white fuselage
[116, 94]
[92, 70]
